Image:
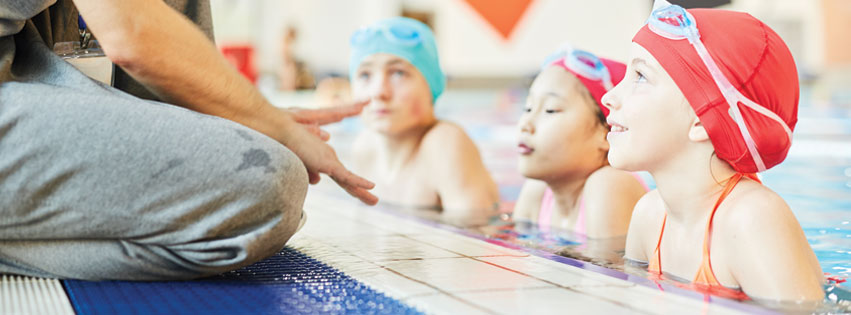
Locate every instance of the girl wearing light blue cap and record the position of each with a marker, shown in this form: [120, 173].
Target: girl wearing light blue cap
[415, 159]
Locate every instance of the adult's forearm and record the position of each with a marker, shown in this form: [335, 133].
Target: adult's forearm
[168, 54]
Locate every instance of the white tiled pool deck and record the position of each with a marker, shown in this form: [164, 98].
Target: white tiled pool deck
[441, 271]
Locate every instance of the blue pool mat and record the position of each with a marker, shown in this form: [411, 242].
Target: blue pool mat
[287, 283]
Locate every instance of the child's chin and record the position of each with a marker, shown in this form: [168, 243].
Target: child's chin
[384, 129]
[528, 172]
[616, 161]
[621, 163]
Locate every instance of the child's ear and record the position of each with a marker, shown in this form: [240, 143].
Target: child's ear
[697, 132]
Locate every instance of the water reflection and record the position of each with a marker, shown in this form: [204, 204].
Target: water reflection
[608, 253]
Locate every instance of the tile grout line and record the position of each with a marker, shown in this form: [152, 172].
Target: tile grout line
[451, 295]
[572, 289]
[453, 231]
[486, 291]
[439, 290]
[545, 281]
[723, 303]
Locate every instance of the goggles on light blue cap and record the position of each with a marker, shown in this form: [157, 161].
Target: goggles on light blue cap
[406, 38]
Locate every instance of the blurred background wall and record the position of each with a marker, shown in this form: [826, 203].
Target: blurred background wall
[492, 42]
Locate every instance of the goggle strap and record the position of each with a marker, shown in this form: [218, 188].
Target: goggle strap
[731, 95]
[746, 135]
[767, 113]
[734, 97]
[607, 81]
[607, 84]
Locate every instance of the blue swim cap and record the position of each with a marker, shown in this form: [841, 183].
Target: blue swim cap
[406, 38]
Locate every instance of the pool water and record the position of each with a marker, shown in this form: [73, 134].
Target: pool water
[815, 180]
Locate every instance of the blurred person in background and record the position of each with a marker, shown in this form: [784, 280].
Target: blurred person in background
[416, 160]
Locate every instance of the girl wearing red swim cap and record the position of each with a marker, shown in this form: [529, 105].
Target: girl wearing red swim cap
[563, 150]
[710, 97]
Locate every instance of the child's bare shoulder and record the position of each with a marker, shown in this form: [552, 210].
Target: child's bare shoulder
[612, 192]
[447, 141]
[644, 226]
[753, 204]
[445, 133]
[649, 210]
[529, 200]
[608, 180]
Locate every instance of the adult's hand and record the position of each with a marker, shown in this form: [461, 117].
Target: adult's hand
[171, 57]
[320, 158]
[311, 119]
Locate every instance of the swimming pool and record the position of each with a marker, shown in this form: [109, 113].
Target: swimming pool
[815, 180]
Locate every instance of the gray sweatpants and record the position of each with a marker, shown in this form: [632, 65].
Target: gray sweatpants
[97, 184]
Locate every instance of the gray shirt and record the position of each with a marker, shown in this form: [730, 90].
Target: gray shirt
[38, 24]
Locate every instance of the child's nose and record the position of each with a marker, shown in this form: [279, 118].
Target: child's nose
[610, 100]
[526, 124]
[381, 89]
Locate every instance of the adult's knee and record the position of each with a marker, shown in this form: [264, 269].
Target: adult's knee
[263, 211]
[278, 194]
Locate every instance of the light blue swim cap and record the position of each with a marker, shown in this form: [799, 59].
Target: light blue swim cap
[406, 38]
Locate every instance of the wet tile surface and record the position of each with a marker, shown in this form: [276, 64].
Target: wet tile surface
[439, 271]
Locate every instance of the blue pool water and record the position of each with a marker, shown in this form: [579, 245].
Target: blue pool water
[816, 182]
[819, 192]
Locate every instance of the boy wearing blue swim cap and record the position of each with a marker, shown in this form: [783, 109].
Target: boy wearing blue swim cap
[415, 159]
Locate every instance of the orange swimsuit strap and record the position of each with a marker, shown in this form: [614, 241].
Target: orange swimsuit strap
[705, 275]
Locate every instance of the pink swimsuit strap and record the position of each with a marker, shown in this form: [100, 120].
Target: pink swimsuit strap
[545, 215]
[640, 181]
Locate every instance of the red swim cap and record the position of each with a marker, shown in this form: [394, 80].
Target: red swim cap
[617, 70]
[758, 64]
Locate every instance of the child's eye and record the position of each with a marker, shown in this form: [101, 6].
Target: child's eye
[527, 109]
[639, 77]
[363, 75]
[552, 111]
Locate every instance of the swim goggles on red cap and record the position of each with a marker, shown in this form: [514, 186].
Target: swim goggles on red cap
[673, 22]
[582, 63]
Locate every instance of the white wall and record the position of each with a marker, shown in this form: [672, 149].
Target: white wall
[468, 46]
[798, 22]
[323, 27]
